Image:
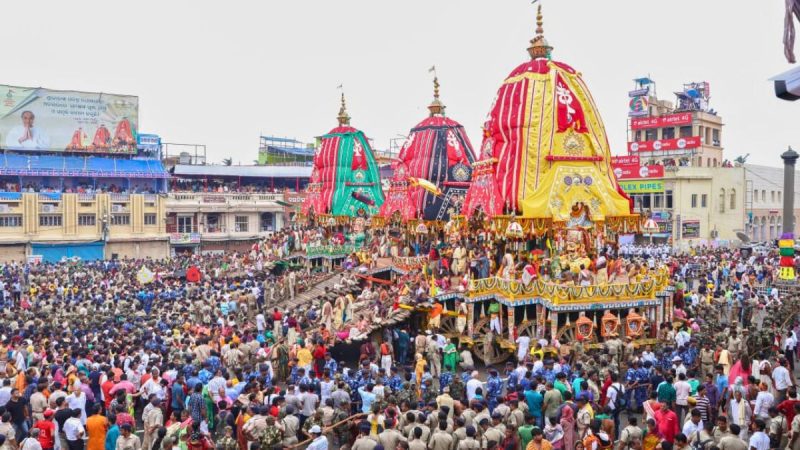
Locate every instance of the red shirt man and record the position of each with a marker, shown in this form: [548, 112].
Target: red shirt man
[786, 407]
[47, 430]
[667, 423]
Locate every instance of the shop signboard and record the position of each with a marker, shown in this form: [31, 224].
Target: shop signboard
[642, 186]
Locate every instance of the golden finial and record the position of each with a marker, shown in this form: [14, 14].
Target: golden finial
[436, 107]
[344, 118]
[539, 48]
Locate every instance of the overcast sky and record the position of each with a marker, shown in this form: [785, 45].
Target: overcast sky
[221, 73]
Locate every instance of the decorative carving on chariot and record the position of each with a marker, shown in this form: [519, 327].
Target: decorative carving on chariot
[609, 325]
[634, 324]
[584, 327]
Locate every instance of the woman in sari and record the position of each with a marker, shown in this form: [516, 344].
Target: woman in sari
[568, 427]
[241, 419]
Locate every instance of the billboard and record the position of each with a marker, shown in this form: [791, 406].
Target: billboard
[665, 144]
[638, 103]
[670, 120]
[47, 120]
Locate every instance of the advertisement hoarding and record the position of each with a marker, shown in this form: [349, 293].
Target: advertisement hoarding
[664, 221]
[665, 144]
[642, 186]
[148, 142]
[662, 121]
[690, 229]
[47, 120]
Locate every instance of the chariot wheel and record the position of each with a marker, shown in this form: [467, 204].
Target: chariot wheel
[570, 333]
[485, 345]
[448, 326]
[527, 328]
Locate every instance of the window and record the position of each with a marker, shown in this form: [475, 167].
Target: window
[658, 200]
[50, 220]
[120, 219]
[86, 220]
[715, 138]
[685, 131]
[704, 200]
[212, 223]
[668, 198]
[638, 137]
[694, 200]
[185, 224]
[267, 221]
[149, 219]
[733, 199]
[779, 197]
[668, 133]
[10, 221]
[722, 200]
[242, 223]
[651, 134]
[763, 196]
[772, 196]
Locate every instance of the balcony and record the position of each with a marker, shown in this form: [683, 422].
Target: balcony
[219, 202]
[118, 197]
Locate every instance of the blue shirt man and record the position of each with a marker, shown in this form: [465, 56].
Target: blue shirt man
[367, 398]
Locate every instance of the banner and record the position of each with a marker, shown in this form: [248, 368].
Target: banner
[665, 144]
[662, 121]
[184, 238]
[642, 187]
[42, 119]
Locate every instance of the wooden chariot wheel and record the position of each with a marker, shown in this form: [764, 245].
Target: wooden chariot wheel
[448, 326]
[485, 345]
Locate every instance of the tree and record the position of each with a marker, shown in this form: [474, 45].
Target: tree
[227, 161]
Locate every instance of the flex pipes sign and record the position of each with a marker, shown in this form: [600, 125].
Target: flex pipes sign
[642, 186]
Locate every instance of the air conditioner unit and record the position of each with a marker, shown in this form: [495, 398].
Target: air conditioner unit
[116, 208]
[47, 208]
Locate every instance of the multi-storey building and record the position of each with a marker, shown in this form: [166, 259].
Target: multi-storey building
[764, 216]
[213, 208]
[685, 133]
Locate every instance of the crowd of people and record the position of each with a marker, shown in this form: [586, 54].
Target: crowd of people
[94, 357]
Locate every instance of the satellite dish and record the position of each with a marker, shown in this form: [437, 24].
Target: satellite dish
[743, 237]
